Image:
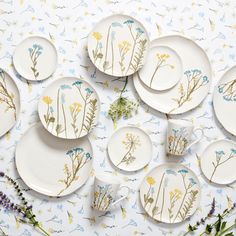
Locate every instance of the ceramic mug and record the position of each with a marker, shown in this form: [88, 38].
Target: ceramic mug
[106, 188]
[179, 136]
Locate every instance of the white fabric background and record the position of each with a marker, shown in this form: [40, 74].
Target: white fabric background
[212, 24]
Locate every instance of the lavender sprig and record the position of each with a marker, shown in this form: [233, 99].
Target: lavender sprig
[24, 210]
[192, 228]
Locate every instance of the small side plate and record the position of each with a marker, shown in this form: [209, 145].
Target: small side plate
[35, 58]
[163, 68]
[218, 162]
[130, 148]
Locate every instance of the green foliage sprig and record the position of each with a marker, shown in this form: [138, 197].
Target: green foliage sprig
[122, 107]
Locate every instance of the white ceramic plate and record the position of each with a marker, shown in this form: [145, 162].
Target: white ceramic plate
[163, 68]
[170, 193]
[9, 102]
[192, 87]
[50, 165]
[35, 58]
[130, 148]
[224, 100]
[218, 162]
[118, 45]
[69, 108]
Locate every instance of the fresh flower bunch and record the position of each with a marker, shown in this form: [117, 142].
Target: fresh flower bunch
[23, 210]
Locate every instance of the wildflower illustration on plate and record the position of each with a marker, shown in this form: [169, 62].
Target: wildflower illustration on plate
[181, 198]
[35, 51]
[131, 142]
[102, 197]
[78, 159]
[161, 62]
[221, 158]
[195, 80]
[6, 97]
[228, 90]
[130, 51]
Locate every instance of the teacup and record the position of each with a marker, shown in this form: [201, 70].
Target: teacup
[179, 136]
[106, 188]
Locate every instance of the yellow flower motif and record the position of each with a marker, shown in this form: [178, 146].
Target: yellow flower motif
[47, 100]
[75, 107]
[96, 194]
[151, 180]
[97, 36]
[125, 45]
[163, 56]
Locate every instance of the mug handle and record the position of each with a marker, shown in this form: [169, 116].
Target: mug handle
[123, 197]
[198, 139]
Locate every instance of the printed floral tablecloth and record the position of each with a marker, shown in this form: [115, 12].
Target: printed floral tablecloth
[212, 24]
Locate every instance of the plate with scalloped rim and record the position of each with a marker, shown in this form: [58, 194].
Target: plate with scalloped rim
[192, 88]
[69, 108]
[224, 100]
[218, 162]
[9, 102]
[118, 45]
[130, 148]
[163, 68]
[52, 166]
[170, 193]
[35, 58]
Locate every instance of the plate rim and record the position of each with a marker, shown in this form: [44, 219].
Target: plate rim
[108, 17]
[215, 92]
[50, 85]
[19, 44]
[19, 108]
[132, 127]
[204, 150]
[172, 164]
[38, 124]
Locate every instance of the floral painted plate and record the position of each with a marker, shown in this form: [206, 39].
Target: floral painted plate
[35, 58]
[224, 100]
[163, 68]
[170, 193]
[118, 45]
[192, 87]
[52, 166]
[130, 148]
[69, 108]
[9, 102]
[218, 162]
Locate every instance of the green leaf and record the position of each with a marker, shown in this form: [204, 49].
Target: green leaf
[208, 229]
[223, 225]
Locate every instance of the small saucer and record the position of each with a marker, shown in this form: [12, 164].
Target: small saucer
[163, 68]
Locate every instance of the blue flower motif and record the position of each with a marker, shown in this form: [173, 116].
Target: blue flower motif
[233, 150]
[184, 171]
[171, 172]
[88, 155]
[77, 83]
[187, 72]
[116, 24]
[220, 153]
[30, 50]
[65, 86]
[129, 22]
[51, 109]
[78, 149]
[220, 89]
[192, 181]
[88, 90]
[205, 78]
[141, 31]
[69, 152]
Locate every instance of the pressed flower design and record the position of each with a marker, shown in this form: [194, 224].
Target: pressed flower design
[221, 158]
[110, 51]
[131, 143]
[161, 62]
[34, 53]
[181, 198]
[78, 159]
[6, 97]
[102, 197]
[195, 80]
[70, 118]
[177, 142]
[228, 90]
